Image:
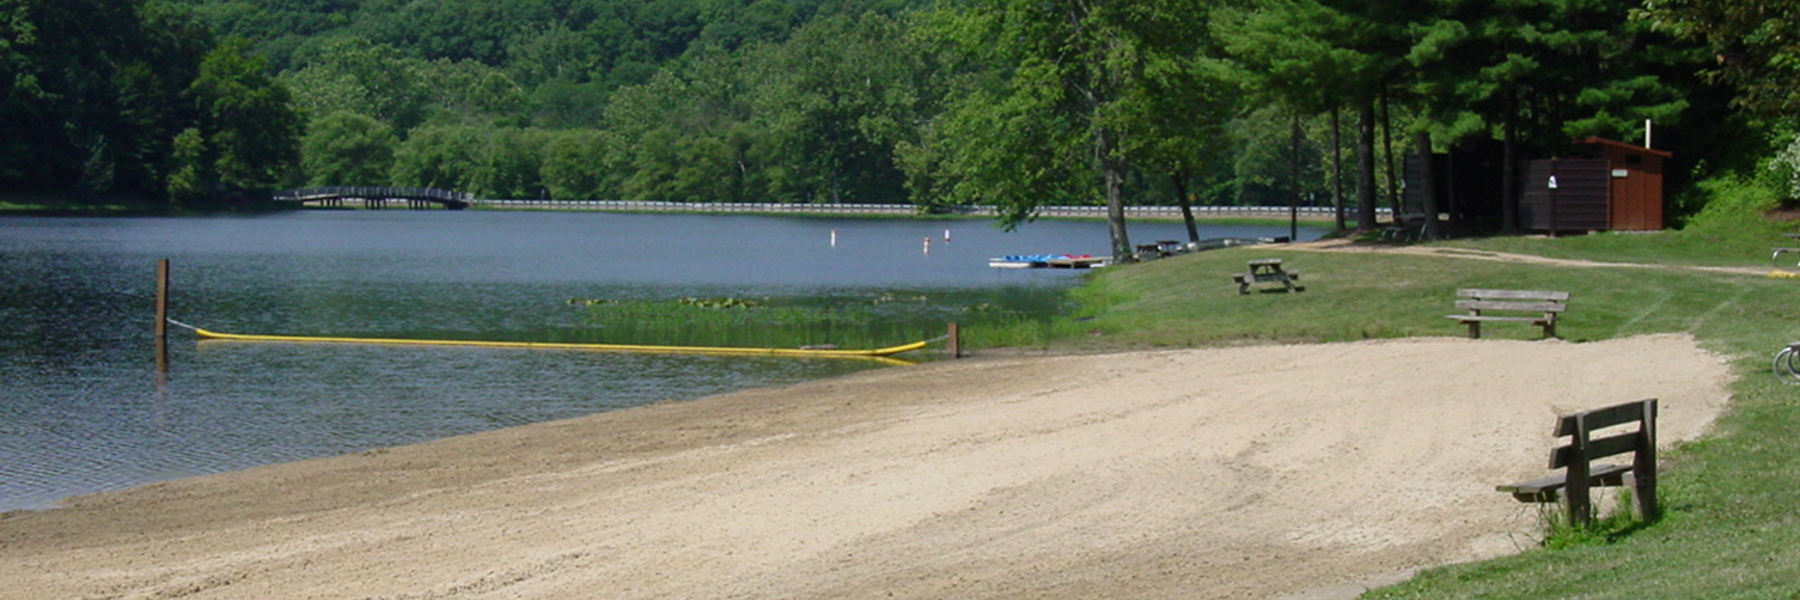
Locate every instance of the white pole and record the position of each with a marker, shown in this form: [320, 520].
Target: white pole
[834, 238]
[1647, 133]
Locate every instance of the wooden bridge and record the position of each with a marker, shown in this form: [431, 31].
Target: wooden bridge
[376, 198]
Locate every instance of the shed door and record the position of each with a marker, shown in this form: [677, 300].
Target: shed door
[1637, 195]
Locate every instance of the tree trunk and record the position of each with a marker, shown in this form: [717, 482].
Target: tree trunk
[1294, 179]
[1187, 206]
[1365, 166]
[1387, 149]
[1509, 170]
[1337, 167]
[1112, 176]
[1429, 179]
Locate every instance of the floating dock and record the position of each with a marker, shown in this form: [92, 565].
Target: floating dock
[1144, 252]
[1049, 261]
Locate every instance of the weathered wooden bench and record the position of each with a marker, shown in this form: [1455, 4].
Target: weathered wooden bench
[1267, 270]
[1576, 459]
[1482, 302]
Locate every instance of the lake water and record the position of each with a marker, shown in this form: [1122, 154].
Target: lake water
[83, 409]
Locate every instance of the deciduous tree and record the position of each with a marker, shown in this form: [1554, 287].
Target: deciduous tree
[843, 92]
[443, 157]
[345, 148]
[1048, 103]
[1755, 47]
[250, 125]
[578, 165]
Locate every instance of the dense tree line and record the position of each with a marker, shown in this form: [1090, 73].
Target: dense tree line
[1003, 102]
[102, 98]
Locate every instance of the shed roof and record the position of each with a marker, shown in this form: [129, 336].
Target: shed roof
[1600, 141]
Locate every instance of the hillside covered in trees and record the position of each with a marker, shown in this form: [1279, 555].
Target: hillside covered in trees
[944, 102]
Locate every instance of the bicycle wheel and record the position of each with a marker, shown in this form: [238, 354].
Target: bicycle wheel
[1787, 366]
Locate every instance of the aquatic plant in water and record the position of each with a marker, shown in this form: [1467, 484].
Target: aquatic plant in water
[884, 319]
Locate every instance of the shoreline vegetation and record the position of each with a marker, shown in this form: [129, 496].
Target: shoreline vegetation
[779, 322]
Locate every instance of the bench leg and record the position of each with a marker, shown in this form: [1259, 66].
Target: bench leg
[1643, 494]
[1474, 330]
[1575, 494]
[1643, 466]
[1550, 330]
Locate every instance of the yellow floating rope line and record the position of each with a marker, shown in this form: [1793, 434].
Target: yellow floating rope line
[720, 350]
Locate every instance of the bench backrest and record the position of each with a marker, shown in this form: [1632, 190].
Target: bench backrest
[1580, 427]
[1474, 299]
[1584, 447]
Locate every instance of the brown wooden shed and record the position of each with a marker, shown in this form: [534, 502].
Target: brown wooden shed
[1613, 186]
[1565, 194]
[1637, 183]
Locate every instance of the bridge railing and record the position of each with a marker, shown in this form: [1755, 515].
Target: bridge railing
[318, 193]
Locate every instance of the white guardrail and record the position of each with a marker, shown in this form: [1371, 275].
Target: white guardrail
[1168, 212]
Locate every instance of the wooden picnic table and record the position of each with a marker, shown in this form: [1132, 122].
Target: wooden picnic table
[1267, 270]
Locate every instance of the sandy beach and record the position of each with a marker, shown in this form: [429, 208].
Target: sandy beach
[1293, 472]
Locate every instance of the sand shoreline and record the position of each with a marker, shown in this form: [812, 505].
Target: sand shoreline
[1261, 472]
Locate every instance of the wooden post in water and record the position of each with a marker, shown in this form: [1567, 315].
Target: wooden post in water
[162, 316]
[955, 341]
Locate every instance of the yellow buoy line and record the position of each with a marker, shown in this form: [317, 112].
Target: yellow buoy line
[887, 352]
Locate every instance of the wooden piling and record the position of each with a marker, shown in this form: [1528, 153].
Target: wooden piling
[955, 341]
[162, 316]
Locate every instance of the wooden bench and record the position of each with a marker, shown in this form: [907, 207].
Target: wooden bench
[1576, 458]
[1480, 302]
[1267, 270]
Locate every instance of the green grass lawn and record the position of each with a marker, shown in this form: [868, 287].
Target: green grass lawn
[1732, 499]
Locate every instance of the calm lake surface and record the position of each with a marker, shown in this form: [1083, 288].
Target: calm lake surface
[83, 409]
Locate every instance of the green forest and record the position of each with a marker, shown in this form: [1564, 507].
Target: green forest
[1009, 103]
